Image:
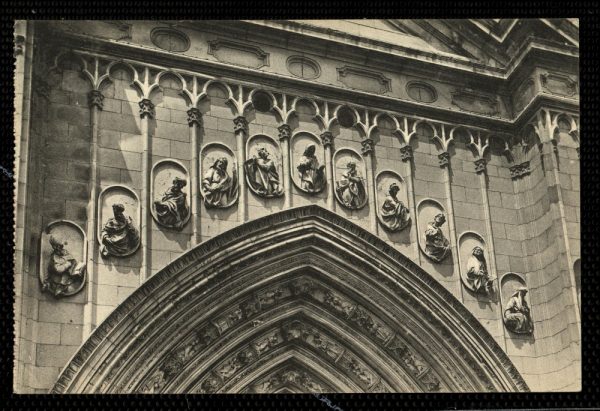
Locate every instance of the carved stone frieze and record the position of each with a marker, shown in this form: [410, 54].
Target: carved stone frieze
[406, 153]
[194, 117]
[519, 170]
[95, 99]
[444, 159]
[240, 124]
[146, 108]
[480, 164]
[285, 131]
[327, 138]
[368, 146]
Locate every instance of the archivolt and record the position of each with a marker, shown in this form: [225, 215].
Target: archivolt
[299, 301]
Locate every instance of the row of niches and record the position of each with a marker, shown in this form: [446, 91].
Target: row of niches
[63, 254]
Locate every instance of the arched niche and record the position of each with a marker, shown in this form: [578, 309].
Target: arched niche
[427, 210]
[308, 180]
[63, 258]
[218, 188]
[168, 208]
[467, 242]
[394, 217]
[357, 198]
[119, 194]
[304, 288]
[509, 284]
[264, 175]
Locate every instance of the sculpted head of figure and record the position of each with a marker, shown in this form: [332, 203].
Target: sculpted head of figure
[220, 164]
[179, 182]
[439, 219]
[118, 209]
[522, 291]
[351, 166]
[58, 244]
[310, 150]
[263, 153]
[394, 189]
[478, 252]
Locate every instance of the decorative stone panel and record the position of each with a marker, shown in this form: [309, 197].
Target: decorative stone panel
[238, 53]
[365, 80]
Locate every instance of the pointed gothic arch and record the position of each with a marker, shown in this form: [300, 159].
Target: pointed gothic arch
[298, 301]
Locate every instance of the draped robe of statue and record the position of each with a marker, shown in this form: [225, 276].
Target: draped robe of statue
[263, 176]
[172, 210]
[437, 245]
[64, 273]
[477, 274]
[119, 236]
[394, 213]
[312, 177]
[516, 314]
[351, 189]
[219, 189]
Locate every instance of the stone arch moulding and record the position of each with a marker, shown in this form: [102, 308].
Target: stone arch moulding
[383, 181]
[122, 194]
[341, 158]
[73, 240]
[427, 209]
[467, 241]
[163, 173]
[299, 142]
[262, 182]
[304, 289]
[218, 190]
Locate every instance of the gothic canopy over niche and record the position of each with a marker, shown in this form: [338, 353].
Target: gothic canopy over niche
[307, 302]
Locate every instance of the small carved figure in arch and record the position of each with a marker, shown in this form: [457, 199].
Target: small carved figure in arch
[395, 215]
[172, 209]
[351, 188]
[119, 235]
[437, 245]
[312, 176]
[517, 316]
[64, 273]
[262, 175]
[477, 273]
[219, 188]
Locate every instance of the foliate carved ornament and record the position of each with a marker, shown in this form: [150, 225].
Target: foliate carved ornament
[368, 146]
[480, 164]
[444, 159]
[406, 153]
[146, 108]
[327, 138]
[285, 131]
[96, 99]
[194, 117]
[240, 125]
[519, 170]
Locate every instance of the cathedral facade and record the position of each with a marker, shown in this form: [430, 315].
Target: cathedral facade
[297, 206]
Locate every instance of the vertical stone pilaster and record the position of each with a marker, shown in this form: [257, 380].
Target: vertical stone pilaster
[368, 148]
[406, 155]
[195, 123]
[284, 138]
[146, 114]
[240, 128]
[327, 141]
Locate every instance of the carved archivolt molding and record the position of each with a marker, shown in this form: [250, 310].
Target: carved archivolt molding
[303, 286]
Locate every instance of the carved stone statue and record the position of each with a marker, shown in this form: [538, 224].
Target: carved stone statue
[351, 189]
[394, 214]
[477, 273]
[119, 235]
[219, 189]
[312, 176]
[64, 274]
[517, 317]
[262, 175]
[437, 245]
[172, 210]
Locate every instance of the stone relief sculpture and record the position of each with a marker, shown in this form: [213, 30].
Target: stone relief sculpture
[219, 183]
[477, 272]
[517, 316]
[437, 245]
[394, 215]
[63, 257]
[262, 175]
[312, 175]
[350, 189]
[171, 205]
[119, 236]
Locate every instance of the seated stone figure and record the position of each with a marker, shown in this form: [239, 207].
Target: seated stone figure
[119, 235]
[477, 273]
[64, 274]
[172, 209]
[394, 214]
[262, 175]
[312, 176]
[437, 245]
[351, 189]
[517, 317]
[218, 188]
